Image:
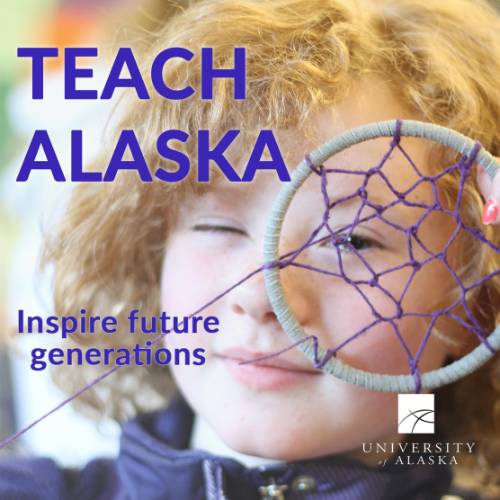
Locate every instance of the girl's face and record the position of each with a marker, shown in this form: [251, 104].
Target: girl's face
[287, 409]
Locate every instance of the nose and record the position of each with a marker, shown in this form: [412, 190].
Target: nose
[250, 298]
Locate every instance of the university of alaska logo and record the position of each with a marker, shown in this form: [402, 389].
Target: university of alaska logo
[416, 413]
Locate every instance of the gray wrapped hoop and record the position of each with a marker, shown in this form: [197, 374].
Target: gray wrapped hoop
[373, 381]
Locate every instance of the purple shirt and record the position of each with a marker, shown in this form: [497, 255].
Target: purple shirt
[154, 463]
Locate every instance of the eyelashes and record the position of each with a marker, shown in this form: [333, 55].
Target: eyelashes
[345, 243]
[353, 242]
[219, 228]
[358, 242]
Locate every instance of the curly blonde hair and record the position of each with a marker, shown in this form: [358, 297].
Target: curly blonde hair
[442, 60]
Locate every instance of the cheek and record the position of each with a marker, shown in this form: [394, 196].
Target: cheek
[185, 287]
[184, 273]
[375, 349]
[197, 269]
[349, 324]
[194, 272]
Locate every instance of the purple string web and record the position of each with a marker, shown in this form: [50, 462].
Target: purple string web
[341, 238]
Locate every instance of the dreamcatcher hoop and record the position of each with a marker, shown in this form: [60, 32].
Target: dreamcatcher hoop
[334, 366]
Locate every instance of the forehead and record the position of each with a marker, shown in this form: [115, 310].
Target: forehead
[371, 100]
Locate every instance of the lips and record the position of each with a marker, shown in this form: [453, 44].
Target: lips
[265, 374]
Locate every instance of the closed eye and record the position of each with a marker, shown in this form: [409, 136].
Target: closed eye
[219, 228]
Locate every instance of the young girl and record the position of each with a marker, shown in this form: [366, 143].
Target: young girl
[281, 428]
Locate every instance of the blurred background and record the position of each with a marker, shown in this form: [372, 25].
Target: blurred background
[27, 210]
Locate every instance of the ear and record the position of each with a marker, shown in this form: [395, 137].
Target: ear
[490, 189]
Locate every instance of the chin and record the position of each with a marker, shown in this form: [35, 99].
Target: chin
[281, 442]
